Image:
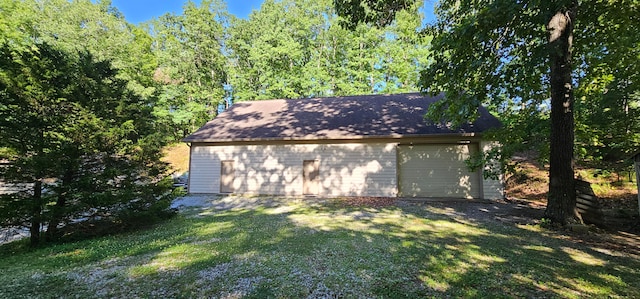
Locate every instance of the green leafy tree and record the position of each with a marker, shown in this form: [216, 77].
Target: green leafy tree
[84, 25]
[16, 22]
[297, 49]
[272, 50]
[406, 51]
[192, 68]
[81, 141]
[378, 12]
[608, 125]
[529, 54]
[608, 96]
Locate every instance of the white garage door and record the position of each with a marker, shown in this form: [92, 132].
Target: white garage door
[437, 171]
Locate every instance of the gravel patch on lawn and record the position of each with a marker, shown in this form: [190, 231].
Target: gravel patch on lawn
[233, 202]
[192, 201]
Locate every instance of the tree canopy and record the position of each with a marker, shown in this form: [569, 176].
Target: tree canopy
[287, 49]
[192, 69]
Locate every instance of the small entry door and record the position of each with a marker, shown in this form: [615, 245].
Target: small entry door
[226, 177]
[310, 173]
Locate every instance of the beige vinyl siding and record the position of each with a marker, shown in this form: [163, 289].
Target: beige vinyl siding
[350, 169]
[438, 170]
[492, 188]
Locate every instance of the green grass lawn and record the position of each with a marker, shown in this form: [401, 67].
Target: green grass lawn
[302, 249]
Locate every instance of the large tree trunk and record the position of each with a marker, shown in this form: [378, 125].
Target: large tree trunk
[562, 195]
[36, 214]
[56, 218]
[57, 211]
[637, 167]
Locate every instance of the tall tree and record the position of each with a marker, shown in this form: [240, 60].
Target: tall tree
[561, 200]
[608, 96]
[84, 144]
[272, 50]
[406, 51]
[521, 52]
[192, 67]
[297, 49]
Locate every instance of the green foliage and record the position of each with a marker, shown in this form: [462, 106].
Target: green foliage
[609, 121]
[378, 12]
[275, 43]
[297, 49]
[82, 25]
[493, 55]
[192, 70]
[608, 106]
[84, 144]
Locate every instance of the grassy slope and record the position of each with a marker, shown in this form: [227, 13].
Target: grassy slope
[177, 156]
[302, 249]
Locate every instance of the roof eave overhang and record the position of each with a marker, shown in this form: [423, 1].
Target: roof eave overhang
[342, 139]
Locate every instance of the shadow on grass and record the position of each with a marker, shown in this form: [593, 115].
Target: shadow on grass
[319, 250]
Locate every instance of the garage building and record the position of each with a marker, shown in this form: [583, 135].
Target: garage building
[374, 145]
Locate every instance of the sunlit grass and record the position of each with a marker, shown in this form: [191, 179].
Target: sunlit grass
[309, 249]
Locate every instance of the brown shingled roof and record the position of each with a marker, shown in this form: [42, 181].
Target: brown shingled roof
[352, 117]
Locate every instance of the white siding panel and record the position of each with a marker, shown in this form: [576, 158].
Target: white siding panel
[345, 169]
[493, 188]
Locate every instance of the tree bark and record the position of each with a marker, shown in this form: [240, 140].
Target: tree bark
[637, 167]
[57, 211]
[562, 195]
[36, 214]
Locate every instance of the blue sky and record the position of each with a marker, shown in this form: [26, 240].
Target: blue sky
[136, 11]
